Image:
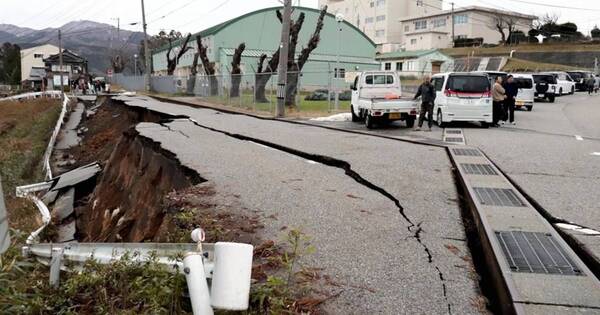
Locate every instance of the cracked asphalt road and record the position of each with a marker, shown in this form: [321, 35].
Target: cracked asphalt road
[361, 237]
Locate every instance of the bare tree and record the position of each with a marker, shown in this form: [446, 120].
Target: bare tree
[209, 67]
[173, 61]
[236, 71]
[294, 66]
[505, 25]
[548, 18]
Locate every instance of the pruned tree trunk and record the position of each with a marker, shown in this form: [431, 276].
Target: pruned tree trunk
[209, 67]
[295, 67]
[236, 71]
[191, 86]
[263, 75]
[172, 62]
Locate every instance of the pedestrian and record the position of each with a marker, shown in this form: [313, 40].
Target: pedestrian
[596, 83]
[511, 90]
[590, 84]
[427, 93]
[498, 95]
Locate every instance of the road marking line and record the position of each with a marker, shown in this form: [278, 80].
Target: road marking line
[595, 153]
[579, 138]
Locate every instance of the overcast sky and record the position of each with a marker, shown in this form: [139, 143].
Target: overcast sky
[195, 15]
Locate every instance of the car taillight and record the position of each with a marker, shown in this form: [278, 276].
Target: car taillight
[448, 93]
[487, 94]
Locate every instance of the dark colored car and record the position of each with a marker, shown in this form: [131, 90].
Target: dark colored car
[580, 78]
[545, 87]
[317, 95]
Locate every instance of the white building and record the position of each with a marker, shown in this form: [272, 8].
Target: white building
[435, 30]
[32, 61]
[379, 19]
[415, 63]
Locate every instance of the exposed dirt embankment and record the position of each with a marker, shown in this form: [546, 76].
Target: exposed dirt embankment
[127, 202]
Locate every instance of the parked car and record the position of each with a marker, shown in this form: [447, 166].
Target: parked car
[463, 97]
[546, 87]
[376, 99]
[344, 95]
[580, 78]
[317, 95]
[565, 84]
[526, 95]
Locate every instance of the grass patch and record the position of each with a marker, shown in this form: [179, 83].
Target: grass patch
[25, 128]
[520, 65]
[505, 50]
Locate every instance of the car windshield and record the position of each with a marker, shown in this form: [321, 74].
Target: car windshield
[524, 83]
[380, 79]
[468, 84]
[576, 75]
[548, 79]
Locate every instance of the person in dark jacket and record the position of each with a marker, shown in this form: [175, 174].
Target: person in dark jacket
[427, 93]
[511, 89]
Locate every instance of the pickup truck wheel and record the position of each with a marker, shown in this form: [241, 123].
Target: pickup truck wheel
[551, 98]
[410, 121]
[440, 120]
[355, 117]
[529, 108]
[572, 90]
[369, 121]
[560, 92]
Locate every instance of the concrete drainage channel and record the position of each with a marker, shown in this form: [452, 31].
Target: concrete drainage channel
[525, 261]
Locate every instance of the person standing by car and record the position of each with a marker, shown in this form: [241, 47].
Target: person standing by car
[596, 83]
[498, 95]
[590, 84]
[511, 90]
[427, 93]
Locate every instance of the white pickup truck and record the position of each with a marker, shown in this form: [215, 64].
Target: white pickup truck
[376, 99]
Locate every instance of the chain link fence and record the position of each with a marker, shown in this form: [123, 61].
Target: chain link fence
[313, 91]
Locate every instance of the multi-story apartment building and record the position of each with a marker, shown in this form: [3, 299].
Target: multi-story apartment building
[435, 30]
[380, 19]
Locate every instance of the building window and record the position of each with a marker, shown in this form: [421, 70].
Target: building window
[406, 28]
[388, 66]
[439, 22]
[339, 73]
[379, 33]
[413, 41]
[38, 55]
[372, 4]
[460, 36]
[380, 18]
[398, 66]
[380, 3]
[421, 25]
[461, 19]
[369, 20]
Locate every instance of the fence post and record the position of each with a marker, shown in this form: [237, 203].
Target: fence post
[55, 263]
[271, 95]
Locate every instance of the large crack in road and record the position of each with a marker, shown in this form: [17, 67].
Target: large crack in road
[347, 168]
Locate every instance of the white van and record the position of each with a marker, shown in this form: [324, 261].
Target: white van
[462, 97]
[565, 84]
[526, 96]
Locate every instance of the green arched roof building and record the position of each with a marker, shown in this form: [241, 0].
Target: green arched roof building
[261, 31]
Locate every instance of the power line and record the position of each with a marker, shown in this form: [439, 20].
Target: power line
[555, 6]
[172, 11]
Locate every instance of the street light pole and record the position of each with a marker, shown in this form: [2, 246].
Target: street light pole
[135, 57]
[339, 18]
[146, 51]
[283, 56]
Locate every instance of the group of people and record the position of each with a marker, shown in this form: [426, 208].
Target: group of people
[504, 97]
[593, 84]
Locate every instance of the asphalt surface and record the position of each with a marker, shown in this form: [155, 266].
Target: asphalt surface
[362, 238]
[549, 153]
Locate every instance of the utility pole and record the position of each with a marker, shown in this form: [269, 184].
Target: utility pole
[452, 19]
[283, 56]
[60, 62]
[147, 51]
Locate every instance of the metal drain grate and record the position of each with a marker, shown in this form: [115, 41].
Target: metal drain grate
[536, 253]
[454, 132]
[498, 197]
[451, 139]
[479, 169]
[467, 152]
